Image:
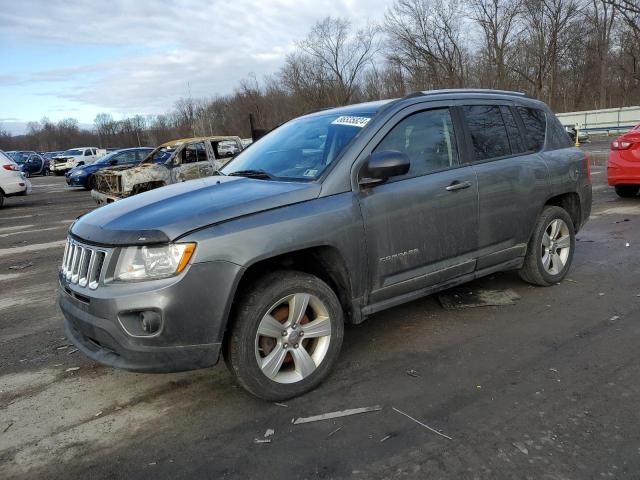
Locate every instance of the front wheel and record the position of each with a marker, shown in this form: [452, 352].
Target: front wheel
[550, 249]
[286, 335]
[627, 191]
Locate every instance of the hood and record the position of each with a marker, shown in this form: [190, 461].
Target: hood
[166, 213]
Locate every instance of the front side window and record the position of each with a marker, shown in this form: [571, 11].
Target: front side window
[427, 138]
[534, 125]
[301, 149]
[194, 153]
[488, 131]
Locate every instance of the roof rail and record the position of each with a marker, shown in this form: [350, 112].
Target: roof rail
[470, 90]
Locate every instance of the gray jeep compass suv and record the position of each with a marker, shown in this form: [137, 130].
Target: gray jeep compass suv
[329, 218]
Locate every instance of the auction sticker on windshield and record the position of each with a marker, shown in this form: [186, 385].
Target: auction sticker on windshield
[352, 121]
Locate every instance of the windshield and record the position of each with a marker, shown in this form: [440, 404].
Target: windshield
[19, 157]
[160, 156]
[106, 158]
[73, 152]
[301, 149]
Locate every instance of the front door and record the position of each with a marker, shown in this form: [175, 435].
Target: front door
[421, 228]
[190, 163]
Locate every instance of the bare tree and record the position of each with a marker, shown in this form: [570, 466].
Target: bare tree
[425, 39]
[546, 40]
[498, 20]
[340, 54]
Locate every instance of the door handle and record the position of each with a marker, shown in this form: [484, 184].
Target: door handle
[457, 186]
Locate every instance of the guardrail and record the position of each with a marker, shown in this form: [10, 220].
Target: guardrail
[615, 120]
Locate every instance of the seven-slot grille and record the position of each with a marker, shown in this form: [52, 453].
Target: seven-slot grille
[83, 264]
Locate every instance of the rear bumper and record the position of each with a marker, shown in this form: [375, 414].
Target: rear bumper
[22, 186]
[621, 171]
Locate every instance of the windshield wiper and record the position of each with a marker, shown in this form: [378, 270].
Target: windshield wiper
[259, 174]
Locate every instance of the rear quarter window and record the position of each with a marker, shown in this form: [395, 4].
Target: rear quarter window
[534, 121]
[557, 136]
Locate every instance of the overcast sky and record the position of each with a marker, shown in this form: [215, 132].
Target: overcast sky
[80, 58]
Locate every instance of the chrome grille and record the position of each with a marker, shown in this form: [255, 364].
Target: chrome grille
[82, 264]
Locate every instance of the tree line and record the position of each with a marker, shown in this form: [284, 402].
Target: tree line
[572, 54]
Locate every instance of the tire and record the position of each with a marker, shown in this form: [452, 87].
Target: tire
[27, 174]
[90, 185]
[540, 267]
[1, 198]
[627, 191]
[291, 373]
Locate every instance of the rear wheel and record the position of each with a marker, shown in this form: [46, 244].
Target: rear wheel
[550, 249]
[286, 335]
[627, 191]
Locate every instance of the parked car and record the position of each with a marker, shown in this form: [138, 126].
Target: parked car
[623, 169]
[327, 219]
[12, 180]
[31, 163]
[36, 164]
[583, 136]
[50, 155]
[83, 176]
[172, 162]
[74, 157]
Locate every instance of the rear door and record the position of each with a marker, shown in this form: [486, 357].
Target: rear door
[420, 228]
[512, 180]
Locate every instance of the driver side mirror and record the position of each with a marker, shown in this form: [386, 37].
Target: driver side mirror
[381, 166]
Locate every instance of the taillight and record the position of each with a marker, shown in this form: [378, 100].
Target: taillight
[586, 159]
[8, 166]
[621, 145]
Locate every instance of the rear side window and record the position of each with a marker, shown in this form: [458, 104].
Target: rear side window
[427, 138]
[515, 138]
[488, 131]
[534, 122]
[557, 136]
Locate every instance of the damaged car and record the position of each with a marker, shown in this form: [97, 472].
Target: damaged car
[172, 162]
[326, 220]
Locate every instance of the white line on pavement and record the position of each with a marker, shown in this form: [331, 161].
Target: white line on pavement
[13, 229]
[31, 248]
[2, 235]
[9, 276]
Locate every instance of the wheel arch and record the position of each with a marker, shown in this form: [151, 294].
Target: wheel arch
[324, 261]
[570, 202]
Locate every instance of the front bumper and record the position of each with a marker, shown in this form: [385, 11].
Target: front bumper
[102, 198]
[193, 306]
[76, 181]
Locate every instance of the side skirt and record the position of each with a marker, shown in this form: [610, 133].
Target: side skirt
[513, 264]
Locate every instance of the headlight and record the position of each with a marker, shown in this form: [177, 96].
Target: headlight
[149, 263]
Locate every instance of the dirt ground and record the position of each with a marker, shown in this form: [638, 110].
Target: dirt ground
[546, 388]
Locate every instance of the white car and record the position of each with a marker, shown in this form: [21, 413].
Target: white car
[12, 180]
[61, 164]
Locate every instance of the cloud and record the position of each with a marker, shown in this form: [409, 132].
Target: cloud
[164, 49]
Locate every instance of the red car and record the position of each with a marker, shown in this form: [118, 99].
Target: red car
[624, 163]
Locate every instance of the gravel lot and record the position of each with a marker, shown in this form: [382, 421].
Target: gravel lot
[545, 388]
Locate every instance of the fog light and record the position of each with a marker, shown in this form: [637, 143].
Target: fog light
[150, 321]
[141, 323]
